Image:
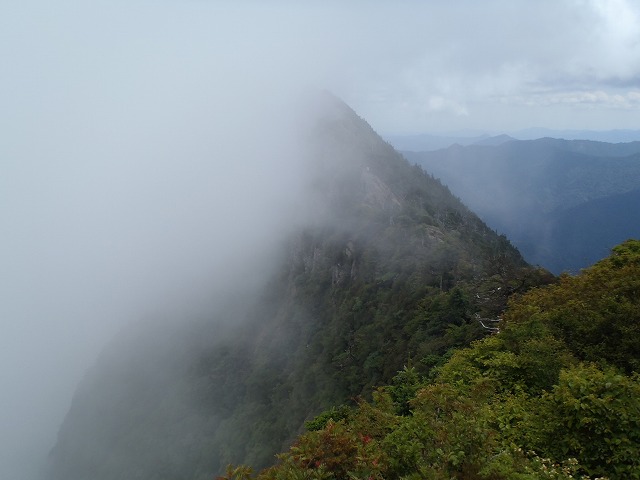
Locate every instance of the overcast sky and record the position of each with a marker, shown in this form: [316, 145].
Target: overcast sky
[407, 67]
[502, 65]
[126, 127]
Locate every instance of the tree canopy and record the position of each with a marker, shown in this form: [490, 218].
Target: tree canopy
[554, 395]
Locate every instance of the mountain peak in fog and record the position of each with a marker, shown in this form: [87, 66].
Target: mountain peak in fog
[374, 245]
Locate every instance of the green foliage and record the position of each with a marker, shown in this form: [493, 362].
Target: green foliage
[403, 388]
[596, 314]
[625, 254]
[516, 405]
[451, 434]
[241, 472]
[515, 361]
[334, 414]
[594, 415]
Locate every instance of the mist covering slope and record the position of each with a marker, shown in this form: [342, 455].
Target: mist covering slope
[384, 267]
[542, 193]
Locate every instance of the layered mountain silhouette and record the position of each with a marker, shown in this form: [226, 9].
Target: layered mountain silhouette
[563, 203]
[427, 142]
[389, 269]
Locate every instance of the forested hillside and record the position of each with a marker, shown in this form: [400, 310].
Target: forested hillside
[549, 196]
[389, 269]
[554, 395]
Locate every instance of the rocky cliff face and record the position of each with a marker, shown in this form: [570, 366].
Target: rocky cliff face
[388, 267]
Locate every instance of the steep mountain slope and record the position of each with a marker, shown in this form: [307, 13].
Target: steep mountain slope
[389, 268]
[526, 189]
[604, 221]
[554, 395]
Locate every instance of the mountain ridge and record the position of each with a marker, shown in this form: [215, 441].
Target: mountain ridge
[436, 141]
[522, 187]
[389, 268]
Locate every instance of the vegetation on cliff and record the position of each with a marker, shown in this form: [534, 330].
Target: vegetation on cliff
[387, 269]
[555, 394]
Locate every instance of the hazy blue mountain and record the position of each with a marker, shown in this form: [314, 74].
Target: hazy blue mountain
[525, 189]
[496, 140]
[426, 142]
[431, 141]
[603, 221]
[609, 136]
[390, 268]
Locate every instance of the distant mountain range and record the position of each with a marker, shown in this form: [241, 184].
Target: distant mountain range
[432, 141]
[563, 203]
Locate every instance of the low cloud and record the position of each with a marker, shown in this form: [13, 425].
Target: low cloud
[584, 99]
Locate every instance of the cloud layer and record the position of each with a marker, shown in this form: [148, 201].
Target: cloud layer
[496, 66]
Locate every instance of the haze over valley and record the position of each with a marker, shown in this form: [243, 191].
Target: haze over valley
[564, 203]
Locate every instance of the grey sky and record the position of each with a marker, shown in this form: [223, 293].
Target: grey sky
[135, 132]
[405, 66]
[502, 65]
